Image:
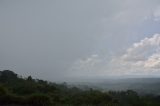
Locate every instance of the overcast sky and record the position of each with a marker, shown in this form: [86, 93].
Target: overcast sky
[59, 39]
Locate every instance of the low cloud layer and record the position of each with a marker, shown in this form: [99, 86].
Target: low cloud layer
[142, 58]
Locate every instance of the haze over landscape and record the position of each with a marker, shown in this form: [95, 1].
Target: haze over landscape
[58, 40]
[79, 52]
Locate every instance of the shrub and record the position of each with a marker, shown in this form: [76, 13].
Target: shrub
[3, 91]
[39, 100]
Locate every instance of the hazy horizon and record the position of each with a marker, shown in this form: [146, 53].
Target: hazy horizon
[58, 40]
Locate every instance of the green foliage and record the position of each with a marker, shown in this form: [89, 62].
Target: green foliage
[91, 97]
[3, 91]
[20, 91]
[39, 100]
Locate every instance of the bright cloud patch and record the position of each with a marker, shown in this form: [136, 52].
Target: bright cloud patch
[142, 58]
[145, 53]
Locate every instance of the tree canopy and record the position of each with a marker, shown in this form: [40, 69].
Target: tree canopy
[15, 90]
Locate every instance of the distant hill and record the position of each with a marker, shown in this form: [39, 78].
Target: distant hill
[140, 85]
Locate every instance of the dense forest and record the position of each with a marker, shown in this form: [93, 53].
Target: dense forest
[16, 90]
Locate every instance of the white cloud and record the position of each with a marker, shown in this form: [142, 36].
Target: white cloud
[153, 61]
[142, 58]
[89, 66]
[140, 51]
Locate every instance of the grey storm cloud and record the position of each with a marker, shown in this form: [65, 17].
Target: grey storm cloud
[44, 38]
